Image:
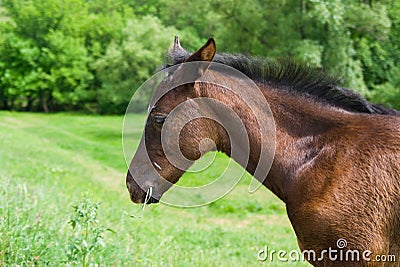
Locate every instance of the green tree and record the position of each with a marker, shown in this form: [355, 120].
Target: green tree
[92, 55]
[128, 63]
[41, 65]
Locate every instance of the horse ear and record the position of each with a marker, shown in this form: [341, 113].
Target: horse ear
[177, 46]
[205, 53]
[177, 53]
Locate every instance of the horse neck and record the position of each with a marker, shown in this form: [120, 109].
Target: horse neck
[303, 129]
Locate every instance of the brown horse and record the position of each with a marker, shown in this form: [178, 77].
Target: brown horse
[337, 157]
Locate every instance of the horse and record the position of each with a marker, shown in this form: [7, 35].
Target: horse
[337, 156]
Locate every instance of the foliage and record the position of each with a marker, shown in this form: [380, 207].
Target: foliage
[129, 62]
[93, 55]
[42, 65]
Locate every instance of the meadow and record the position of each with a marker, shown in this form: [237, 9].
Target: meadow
[63, 170]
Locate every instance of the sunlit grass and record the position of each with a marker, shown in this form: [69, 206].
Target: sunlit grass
[47, 162]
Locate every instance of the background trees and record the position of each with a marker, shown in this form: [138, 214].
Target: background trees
[92, 55]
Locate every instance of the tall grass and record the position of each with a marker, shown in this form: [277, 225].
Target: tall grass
[25, 238]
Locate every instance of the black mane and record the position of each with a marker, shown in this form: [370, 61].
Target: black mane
[298, 79]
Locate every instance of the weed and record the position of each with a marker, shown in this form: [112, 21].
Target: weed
[87, 243]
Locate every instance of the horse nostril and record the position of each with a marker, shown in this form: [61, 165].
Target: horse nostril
[152, 200]
[130, 183]
[136, 192]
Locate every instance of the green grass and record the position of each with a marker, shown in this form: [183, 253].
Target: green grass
[47, 163]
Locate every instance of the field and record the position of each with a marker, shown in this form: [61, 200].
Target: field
[50, 163]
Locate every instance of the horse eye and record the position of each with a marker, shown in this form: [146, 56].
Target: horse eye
[160, 118]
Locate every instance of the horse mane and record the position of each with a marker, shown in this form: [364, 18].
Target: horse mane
[298, 79]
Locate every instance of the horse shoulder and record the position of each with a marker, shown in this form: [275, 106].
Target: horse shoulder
[354, 180]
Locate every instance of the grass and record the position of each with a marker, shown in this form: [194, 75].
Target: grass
[49, 162]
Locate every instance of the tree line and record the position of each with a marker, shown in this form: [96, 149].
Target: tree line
[92, 55]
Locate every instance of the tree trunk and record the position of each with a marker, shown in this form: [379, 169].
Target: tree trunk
[5, 105]
[29, 103]
[4, 101]
[43, 100]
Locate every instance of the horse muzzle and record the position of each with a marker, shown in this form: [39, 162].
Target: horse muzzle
[141, 194]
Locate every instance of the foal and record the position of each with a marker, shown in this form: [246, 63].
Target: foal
[337, 156]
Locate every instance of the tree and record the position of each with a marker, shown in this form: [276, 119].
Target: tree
[128, 63]
[92, 55]
[41, 65]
